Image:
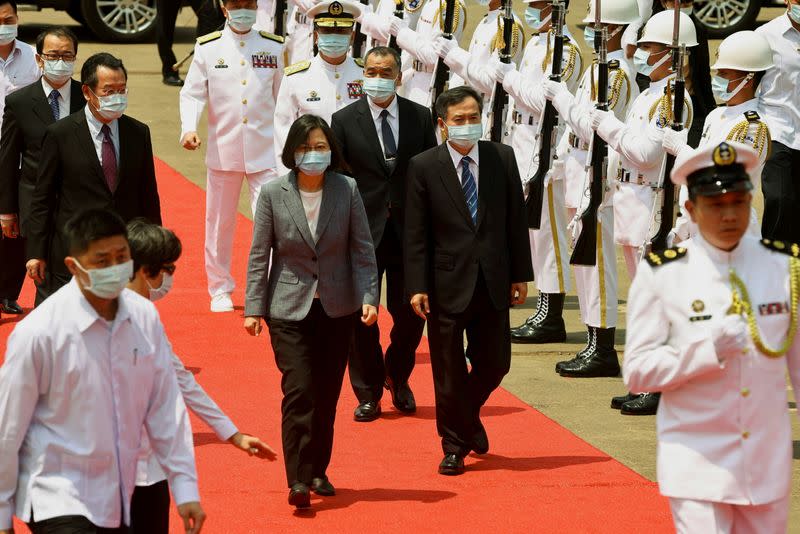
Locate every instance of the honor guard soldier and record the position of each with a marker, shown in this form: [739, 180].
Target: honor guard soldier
[549, 245]
[237, 71]
[299, 32]
[743, 59]
[597, 284]
[712, 324]
[328, 81]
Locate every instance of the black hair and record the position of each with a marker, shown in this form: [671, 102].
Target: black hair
[298, 133]
[383, 51]
[91, 225]
[59, 31]
[12, 3]
[102, 59]
[152, 246]
[454, 96]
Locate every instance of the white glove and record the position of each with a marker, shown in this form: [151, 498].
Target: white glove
[366, 9]
[498, 69]
[673, 141]
[551, 88]
[596, 116]
[730, 337]
[395, 25]
[443, 46]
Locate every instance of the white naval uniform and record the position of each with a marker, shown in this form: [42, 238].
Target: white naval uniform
[637, 165]
[16, 71]
[376, 35]
[596, 285]
[724, 432]
[315, 87]
[239, 77]
[718, 127]
[549, 244]
[75, 392]
[148, 470]
[299, 31]
[265, 16]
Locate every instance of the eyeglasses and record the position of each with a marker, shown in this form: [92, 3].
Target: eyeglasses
[110, 93]
[55, 57]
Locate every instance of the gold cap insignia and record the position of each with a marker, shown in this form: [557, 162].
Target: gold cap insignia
[724, 155]
[698, 306]
[335, 8]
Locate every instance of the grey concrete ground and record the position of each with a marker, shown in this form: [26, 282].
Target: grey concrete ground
[582, 406]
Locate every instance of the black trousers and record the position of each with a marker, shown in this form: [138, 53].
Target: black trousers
[367, 369]
[52, 283]
[72, 524]
[150, 509]
[209, 19]
[12, 267]
[460, 393]
[780, 182]
[311, 355]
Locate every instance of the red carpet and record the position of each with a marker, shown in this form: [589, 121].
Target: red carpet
[538, 478]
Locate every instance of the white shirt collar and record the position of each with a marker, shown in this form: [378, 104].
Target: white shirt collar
[85, 315]
[723, 257]
[376, 109]
[456, 156]
[64, 90]
[95, 125]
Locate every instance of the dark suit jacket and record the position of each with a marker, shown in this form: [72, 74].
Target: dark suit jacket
[444, 250]
[71, 180]
[26, 116]
[379, 188]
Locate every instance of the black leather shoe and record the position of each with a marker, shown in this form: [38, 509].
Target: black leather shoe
[599, 360]
[644, 404]
[402, 396]
[10, 306]
[452, 465]
[322, 486]
[549, 328]
[581, 353]
[367, 411]
[480, 440]
[617, 402]
[172, 79]
[299, 496]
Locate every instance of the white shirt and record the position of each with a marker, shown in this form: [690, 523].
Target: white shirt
[95, 131]
[393, 119]
[778, 89]
[312, 200]
[64, 96]
[724, 432]
[473, 165]
[74, 396]
[17, 70]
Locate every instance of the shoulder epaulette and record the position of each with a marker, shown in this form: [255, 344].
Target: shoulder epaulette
[271, 36]
[359, 62]
[613, 64]
[752, 116]
[792, 249]
[294, 68]
[207, 38]
[656, 259]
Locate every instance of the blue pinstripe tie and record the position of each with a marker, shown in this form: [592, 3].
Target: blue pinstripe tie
[470, 188]
[54, 103]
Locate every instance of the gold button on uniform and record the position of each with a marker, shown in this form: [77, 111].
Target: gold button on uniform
[241, 62]
[241, 43]
[745, 434]
[745, 392]
[244, 101]
[244, 120]
[338, 97]
[244, 82]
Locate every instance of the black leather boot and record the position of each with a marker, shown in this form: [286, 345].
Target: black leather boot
[644, 404]
[590, 341]
[533, 319]
[550, 328]
[617, 402]
[599, 360]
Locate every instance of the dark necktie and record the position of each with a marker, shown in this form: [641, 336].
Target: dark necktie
[470, 188]
[389, 144]
[53, 98]
[109, 159]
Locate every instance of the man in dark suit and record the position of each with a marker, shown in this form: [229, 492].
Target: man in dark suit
[28, 111]
[467, 258]
[95, 158]
[378, 135]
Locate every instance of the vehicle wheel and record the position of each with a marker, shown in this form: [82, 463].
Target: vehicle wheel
[721, 18]
[122, 21]
[74, 11]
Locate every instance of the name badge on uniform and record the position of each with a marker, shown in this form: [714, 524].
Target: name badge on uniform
[262, 60]
[355, 90]
[220, 64]
[312, 97]
[773, 308]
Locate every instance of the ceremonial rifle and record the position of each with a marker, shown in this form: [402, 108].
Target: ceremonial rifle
[667, 218]
[585, 251]
[360, 38]
[500, 97]
[442, 75]
[399, 11]
[549, 127]
[280, 18]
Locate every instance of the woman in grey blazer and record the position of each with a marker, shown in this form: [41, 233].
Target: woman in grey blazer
[312, 225]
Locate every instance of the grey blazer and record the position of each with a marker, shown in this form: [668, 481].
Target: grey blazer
[340, 265]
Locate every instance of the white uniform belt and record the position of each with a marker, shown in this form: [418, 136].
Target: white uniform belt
[625, 176]
[300, 18]
[575, 142]
[520, 118]
[419, 66]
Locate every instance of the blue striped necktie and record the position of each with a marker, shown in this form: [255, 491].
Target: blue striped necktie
[470, 188]
[54, 104]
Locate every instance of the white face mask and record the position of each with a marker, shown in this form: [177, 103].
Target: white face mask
[158, 293]
[465, 135]
[242, 20]
[58, 71]
[112, 106]
[108, 282]
[8, 32]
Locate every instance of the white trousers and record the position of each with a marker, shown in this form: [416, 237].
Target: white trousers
[706, 517]
[549, 246]
[222, 200]
[596, 285]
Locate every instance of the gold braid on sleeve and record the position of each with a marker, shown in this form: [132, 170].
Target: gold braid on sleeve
[761, 137]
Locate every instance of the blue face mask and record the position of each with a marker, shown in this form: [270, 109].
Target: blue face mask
[313, 162]
[794, 13]
[465, 135]
[379, 89]
[242, 20]
[333, 45]
[719, 86]
[640, 59]
[588, 36]
[533, 18]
